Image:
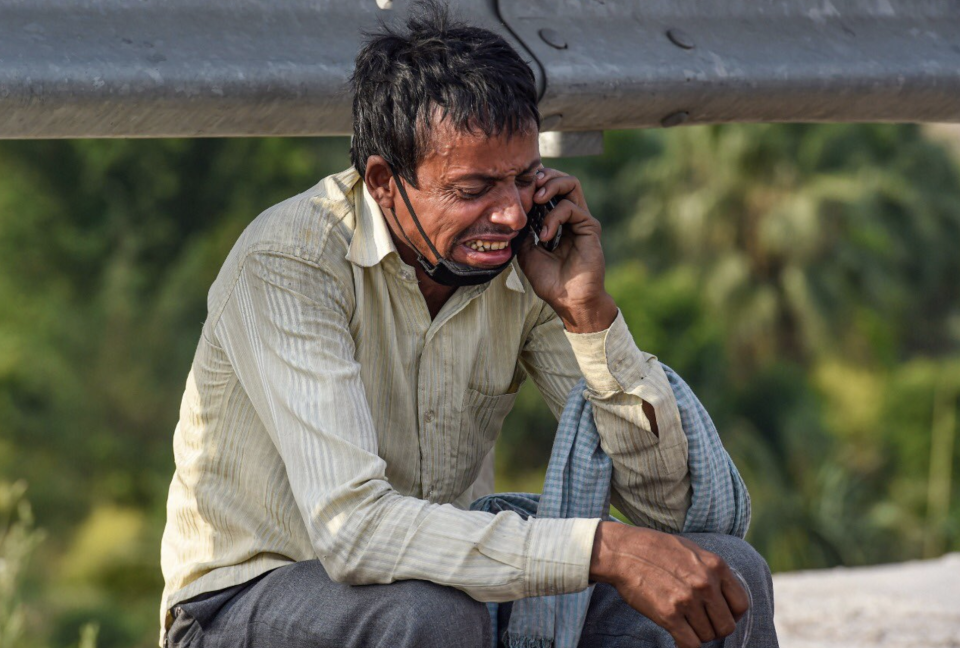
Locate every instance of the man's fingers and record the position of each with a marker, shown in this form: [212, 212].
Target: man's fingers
[562, 213]
[736, 596]
[700, 622]
[569, 215]
[684, 635]
[546, 173]
[553, 183]
[721, 617]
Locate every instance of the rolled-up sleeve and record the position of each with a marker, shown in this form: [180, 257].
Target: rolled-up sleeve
[285, 328]
[634, 409]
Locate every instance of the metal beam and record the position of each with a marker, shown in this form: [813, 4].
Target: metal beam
[155, 68]
[626, 64]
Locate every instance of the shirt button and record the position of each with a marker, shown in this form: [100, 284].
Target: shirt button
[428, 417]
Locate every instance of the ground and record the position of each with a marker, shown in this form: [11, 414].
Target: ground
[905, 605]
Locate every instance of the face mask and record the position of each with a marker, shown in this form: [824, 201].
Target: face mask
[447, 272]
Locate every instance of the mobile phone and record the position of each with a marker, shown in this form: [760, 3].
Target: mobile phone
[535, 222]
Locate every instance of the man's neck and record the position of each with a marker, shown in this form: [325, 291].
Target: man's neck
[435, 294]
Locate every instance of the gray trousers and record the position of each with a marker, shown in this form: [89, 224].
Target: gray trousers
[298, 606]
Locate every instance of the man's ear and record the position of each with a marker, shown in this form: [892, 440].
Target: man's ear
[378, 180]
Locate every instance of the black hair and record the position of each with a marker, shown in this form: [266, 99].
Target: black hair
[470, 75]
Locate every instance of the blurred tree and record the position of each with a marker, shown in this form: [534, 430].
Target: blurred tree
[803, 234]
[107, 250]
[18, 539]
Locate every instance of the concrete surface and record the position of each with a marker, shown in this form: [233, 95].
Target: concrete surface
[906, 605]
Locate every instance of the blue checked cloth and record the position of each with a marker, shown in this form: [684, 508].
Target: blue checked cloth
[578, 485]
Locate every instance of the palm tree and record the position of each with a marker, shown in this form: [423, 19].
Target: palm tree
[803, 235]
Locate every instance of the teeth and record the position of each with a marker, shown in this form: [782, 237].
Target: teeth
[487, 246]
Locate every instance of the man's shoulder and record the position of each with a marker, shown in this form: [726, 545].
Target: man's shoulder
[314, 224]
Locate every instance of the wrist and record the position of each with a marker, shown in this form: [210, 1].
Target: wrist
[590, 317]
[603, 560]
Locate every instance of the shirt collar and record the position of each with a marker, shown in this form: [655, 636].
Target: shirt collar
[371, 239]
[513, 278]
[372, 242]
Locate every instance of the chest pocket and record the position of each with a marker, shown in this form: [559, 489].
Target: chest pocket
[481, 417]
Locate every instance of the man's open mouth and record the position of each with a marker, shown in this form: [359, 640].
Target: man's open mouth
[488, 250]
[487, 246]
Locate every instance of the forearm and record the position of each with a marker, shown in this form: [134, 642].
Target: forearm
[501, 557]
[639, 424]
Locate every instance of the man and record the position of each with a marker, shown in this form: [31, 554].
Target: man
[365, 341]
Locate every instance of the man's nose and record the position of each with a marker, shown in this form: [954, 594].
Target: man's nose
[510, 211]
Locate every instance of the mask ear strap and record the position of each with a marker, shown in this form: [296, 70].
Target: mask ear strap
[400, 227]
[413, 214]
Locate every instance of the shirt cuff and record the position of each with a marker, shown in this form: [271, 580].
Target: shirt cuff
[558, 557]
[609, 360]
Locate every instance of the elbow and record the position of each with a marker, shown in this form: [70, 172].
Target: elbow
[347, 543]
[341, 571]
[346, 560]
[663, 521]
[667, 512]
[677, 497]
[674, 521]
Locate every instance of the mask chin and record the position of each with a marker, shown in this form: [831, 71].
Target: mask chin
[447, 272]
[454, 273]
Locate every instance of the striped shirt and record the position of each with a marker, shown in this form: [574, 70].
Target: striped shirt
[326, 415]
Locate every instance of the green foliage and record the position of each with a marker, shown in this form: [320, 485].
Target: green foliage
[18, 539]
[88, 635]
[802, 279]
[107, 249]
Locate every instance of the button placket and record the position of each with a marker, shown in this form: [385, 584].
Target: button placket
[429, 454]
[436, 446]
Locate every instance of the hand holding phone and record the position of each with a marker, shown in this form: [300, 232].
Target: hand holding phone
[571, 282]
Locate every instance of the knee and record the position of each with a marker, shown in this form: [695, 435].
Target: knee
[440, 616]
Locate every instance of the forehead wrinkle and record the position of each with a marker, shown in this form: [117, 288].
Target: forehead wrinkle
[446, 140]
